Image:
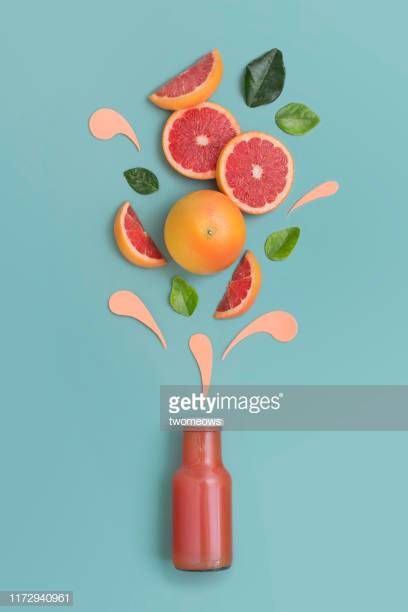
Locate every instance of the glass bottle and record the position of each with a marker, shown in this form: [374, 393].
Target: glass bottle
[202, 525]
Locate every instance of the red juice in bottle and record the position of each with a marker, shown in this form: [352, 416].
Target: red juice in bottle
[202, 524]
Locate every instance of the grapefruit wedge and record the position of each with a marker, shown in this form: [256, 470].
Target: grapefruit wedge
[193, 139]
[133, 242]
[192, 86]
[255, 171]
[242, 289]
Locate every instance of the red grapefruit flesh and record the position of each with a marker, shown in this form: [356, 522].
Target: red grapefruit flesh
[255, 171]
[193, 139]
[192, 86]
[242, 289]
[133, 241]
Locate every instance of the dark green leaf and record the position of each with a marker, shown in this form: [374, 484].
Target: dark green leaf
[296, 118]
[280, 244]
[264, 78]
[142, 180]
[183, 298]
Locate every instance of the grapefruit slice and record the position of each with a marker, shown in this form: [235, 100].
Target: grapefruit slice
[133, 242]
[192, 86]
[193, 139]
[242, 289]
[255, 171]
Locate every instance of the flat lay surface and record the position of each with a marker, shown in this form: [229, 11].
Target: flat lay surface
[319, 518]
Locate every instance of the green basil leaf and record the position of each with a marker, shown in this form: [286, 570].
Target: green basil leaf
[142, 180]
[264, 78]
[296, 118]
[183, 297]
[280, 244]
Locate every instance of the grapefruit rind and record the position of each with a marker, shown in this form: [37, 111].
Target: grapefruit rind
[247, 302]
[224, 186]
[210, 174]
[127, 249]
[204, 232]
[199, 94]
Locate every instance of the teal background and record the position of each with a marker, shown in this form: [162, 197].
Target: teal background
[320, 519]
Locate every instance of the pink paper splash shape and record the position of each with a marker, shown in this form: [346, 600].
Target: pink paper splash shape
[105, 123]
[201, 347]
[281, 325]
[127, 304]
[321, 191]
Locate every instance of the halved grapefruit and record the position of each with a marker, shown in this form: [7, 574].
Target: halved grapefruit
[193, 138]
[133, 242]
[242, 289]
[255, 171]
[192, 86]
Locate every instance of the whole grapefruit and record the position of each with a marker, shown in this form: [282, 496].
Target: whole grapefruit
[204, 232]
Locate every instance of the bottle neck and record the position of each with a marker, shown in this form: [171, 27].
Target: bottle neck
[202, 448]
